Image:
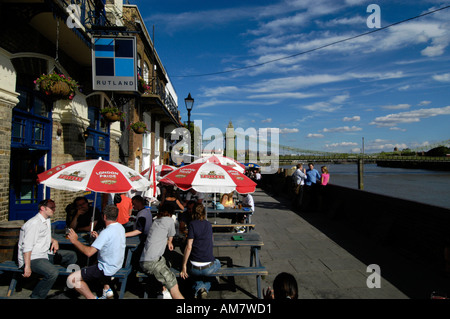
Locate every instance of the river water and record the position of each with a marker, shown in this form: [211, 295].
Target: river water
[424, 186]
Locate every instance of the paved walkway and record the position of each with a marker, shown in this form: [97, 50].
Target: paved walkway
[328, 260]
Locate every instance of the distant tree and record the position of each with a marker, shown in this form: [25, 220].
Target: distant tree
[407, 152]
[438, 151]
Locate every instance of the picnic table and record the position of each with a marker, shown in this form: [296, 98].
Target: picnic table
[230, 212]
[251, 240]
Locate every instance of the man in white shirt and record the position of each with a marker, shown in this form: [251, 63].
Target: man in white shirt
[110, 245]
[38, 251]
[298, 180]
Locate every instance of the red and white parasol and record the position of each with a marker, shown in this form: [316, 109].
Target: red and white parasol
[93, 175]
[161, 170]
[97, 175]
[150, 174]
[223, 160]
[210, 178]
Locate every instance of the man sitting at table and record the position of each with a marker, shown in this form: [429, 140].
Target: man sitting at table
[79, 215]
[110, 245]
[38, 251]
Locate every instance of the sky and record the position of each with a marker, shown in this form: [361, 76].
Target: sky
[322, 72]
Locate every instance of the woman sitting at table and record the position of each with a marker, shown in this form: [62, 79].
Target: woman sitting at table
[199, 253]
[227, 200]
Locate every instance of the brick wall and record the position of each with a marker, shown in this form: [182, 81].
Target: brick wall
[5, 154]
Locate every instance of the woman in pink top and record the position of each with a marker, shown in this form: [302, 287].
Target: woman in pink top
[325, 176]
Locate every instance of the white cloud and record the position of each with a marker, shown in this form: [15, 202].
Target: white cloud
[314, 135]
[442, 77]
[391, 120]
[355, 118]
[220, 90]
[288, 130]
[321, 107]
[268, 120]
[341, 129]
[341, 144]
[424, 103]
[396, 107]
[397, 129]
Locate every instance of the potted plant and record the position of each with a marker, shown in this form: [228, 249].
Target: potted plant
[57, 86]
[142, 85]
[138, 127]
[112, 114]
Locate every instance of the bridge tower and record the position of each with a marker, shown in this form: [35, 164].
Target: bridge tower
[230, 137]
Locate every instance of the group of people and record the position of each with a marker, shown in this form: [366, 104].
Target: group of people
[38, 251]
[307, 185]
[109, 233]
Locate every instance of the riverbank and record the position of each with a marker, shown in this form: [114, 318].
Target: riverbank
[435, 166]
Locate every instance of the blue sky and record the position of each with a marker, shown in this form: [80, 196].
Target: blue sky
[390, 87]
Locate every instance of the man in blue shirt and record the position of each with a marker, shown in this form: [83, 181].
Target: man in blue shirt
[110, 245]
[312, 175]
[312, 179]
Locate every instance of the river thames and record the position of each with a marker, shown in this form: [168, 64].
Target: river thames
[420, 185]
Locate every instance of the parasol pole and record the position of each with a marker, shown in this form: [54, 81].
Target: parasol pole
[93, 212]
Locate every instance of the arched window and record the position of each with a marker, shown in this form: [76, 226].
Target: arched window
[139, 63]
[146, 73]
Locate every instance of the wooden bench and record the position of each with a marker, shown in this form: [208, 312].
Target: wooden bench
[11, 266]
[232, 225]
[226, 272]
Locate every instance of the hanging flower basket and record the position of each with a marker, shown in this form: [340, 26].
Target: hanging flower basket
[138, 127]
[112, 114]
[57, 86]
[143, 87]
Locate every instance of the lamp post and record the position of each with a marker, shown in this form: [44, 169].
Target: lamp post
[189, 101]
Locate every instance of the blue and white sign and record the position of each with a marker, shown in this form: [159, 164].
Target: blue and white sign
[114, 64]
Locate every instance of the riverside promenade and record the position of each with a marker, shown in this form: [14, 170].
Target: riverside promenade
[328, 259]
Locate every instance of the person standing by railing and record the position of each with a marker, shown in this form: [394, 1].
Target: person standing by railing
[312, 183]
[298, 181]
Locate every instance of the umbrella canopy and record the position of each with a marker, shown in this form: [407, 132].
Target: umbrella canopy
[93, 175]
[210, 178]
[252, 165]
[150, 174]
[160, 169]
[223, 160]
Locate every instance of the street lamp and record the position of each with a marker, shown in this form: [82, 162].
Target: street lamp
[189, 101]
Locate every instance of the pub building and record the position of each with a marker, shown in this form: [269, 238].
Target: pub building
[74, 77]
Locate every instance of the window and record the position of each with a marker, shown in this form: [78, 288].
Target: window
[139, 63]
[146, 73]
[97, 142]
[31, 123]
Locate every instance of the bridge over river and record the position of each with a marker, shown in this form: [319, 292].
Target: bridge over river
[427, 162]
